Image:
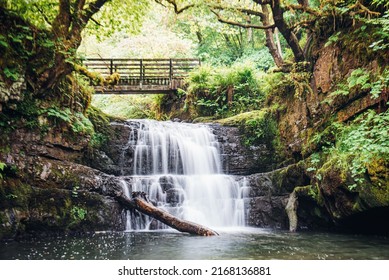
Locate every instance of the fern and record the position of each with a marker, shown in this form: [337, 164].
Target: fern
[64, 115]
[359, 77]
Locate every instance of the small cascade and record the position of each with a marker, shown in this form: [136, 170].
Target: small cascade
[179, 166]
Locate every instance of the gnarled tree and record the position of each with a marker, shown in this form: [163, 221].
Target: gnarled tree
[65, 21]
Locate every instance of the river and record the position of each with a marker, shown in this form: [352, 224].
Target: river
[237, 243]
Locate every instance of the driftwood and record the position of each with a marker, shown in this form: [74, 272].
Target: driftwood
[140, 203]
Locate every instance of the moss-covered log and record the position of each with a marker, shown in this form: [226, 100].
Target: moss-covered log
[139, 202]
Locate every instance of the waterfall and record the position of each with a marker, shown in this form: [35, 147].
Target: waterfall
[179, 166]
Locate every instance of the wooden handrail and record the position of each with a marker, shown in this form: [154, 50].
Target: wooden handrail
[108, 66]
[143, 74]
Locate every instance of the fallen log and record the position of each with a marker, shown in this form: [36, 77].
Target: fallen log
[140, 203]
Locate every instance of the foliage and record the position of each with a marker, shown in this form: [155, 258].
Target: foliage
[78, 213]
[75, 191]
[381, 83]
[156, 29]
[221, 92]
[258, 127]
[118, 16]
[101, 125]
[11, 73]
[368, 37]
[218, 43]
[380, 34]
[77, 121]
[362, 79]
[261, 129]
[359, 78]
[200, 79]
[126, 106]
[334, 38]
[115, 14]
[364, 141]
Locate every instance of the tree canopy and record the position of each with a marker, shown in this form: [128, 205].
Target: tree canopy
[66, 20]
[288, 28]
[300, 22]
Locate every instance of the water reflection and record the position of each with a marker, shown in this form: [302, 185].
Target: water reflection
[241, 244]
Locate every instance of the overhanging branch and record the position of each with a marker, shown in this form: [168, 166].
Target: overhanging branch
[177, 10]
[306, 9]
[242, 10]
[263, 2]
[305, 24]
[243, 25]
[92, 9]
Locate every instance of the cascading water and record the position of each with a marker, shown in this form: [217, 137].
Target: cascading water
[179, 167]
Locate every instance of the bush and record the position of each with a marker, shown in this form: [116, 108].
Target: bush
[222, 92]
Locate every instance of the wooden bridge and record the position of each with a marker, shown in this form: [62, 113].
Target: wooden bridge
[141, 76]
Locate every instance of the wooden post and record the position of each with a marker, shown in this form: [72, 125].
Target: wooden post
[141, 72]
[171, 73]
[111, 67]
[230, 94]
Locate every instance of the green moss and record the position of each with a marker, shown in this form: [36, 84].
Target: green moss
[258, 127]
[205, 120]
[375, 191]
[241, 119]
[324, 137]
[312, 191]
[286, 179]
[102, 128]
[14, 193]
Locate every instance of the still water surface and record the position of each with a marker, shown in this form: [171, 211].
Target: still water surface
[242, 243]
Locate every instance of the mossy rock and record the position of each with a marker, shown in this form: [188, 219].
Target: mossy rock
[312, 192]
[375, 191]
[13, 193]
[241, 119]
[344, 197]
[286, 179]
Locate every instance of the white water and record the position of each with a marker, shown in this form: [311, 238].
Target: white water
[179, 167]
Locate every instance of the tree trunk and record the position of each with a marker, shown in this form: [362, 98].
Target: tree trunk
[139, 202]
[290, 37]
[66, 29]
[270, 44]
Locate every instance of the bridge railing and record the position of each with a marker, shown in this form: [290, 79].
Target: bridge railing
[139, 72]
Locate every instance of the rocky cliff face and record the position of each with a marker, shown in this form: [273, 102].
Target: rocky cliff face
[43, 190]
[238, 158]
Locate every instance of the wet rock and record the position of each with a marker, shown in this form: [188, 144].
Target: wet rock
[268, 211]
[237, 158]
[174, 196]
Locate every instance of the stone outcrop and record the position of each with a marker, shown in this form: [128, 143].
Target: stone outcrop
[238, 158]
[43, 190]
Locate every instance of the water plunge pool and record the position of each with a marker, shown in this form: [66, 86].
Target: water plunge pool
[237, 243]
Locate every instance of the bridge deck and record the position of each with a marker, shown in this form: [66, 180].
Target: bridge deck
[142, 75]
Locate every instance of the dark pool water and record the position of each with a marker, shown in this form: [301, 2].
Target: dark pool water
[242, 243]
